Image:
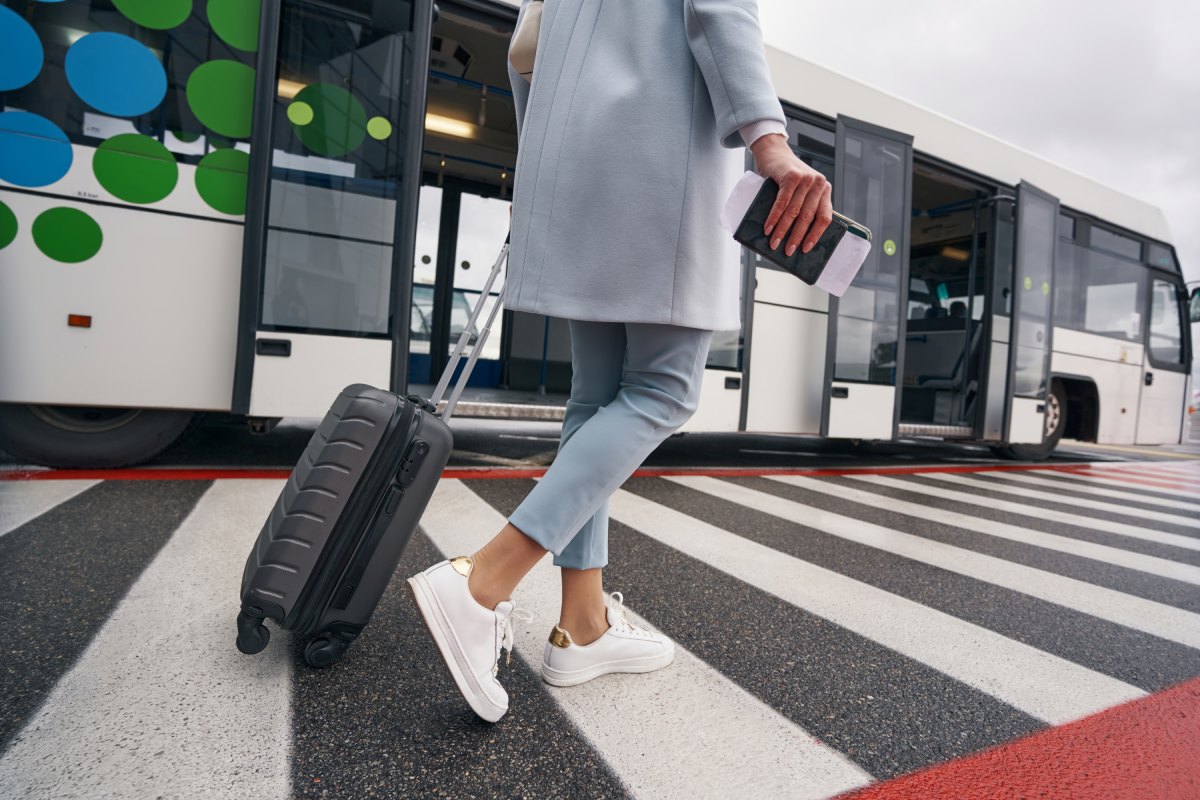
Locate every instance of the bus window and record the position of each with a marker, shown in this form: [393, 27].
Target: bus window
[1166, 329]
[1160, 256]
[1116, 243]
[1098, 293]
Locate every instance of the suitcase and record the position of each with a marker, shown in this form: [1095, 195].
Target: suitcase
[342, 521]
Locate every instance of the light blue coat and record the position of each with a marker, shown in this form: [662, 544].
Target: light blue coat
[628, 145]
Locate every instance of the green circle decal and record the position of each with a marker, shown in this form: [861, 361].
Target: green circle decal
[67, 235]
[160, 15]
[300, 113]
[1046, 288]
[221, 180]
[1028, 283]
[889, 248]
[339, 122]
[236, 22]
[8, 226]
[221, 95]
[379, 128]
[135, 168]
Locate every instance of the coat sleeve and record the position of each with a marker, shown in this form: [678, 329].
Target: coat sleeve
[726, 41]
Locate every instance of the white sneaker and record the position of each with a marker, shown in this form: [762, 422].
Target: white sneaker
[468, 635]
[624, 647]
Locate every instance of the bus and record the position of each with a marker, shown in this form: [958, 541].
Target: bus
[239, 208]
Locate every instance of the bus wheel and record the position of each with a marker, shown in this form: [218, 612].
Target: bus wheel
[88, 438]
[1056, 423]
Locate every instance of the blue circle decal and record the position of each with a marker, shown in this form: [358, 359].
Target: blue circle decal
[115, 74]
[22, 56]
[33, 150]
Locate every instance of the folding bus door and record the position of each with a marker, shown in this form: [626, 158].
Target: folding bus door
[865, 343]
[1032, 327]
[333, 186]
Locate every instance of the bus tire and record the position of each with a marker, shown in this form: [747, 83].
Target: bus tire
[1056, 423]
[69, 437]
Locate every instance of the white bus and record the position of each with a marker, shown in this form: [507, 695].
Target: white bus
[208, 209]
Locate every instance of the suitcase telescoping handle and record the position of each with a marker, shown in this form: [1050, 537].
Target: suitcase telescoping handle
[465, 337]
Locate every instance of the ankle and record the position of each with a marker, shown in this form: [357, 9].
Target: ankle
[483, 586]
[584, 628]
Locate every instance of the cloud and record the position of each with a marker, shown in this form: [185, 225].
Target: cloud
[1109, 89]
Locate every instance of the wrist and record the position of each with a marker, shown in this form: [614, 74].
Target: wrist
[768, 142]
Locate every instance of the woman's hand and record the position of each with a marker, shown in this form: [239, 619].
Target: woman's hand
[803, 204]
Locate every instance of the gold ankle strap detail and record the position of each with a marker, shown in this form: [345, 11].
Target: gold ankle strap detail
[462, 565]
[560, 638]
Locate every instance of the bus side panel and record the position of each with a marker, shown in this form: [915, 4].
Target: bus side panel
[1116, 369]
[787, 362]
[162, 296]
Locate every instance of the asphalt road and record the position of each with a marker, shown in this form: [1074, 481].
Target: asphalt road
[834, 631]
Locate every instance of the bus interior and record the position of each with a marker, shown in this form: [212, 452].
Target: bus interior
[947, 294]
[463, 217]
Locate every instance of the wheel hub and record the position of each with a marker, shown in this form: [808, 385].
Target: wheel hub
[1053, 413]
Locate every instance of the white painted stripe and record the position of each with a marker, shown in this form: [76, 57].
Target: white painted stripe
[732, 739]
[21, 501]
[1040, 684]
[1158, 619]
[1096, 491]
[1064, 544]
[974, 483]
[1116, 480]
[161, 704]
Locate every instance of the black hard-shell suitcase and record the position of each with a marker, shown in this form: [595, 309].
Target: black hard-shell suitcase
[337, 531]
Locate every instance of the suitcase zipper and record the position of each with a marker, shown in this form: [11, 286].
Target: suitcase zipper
[362, 501]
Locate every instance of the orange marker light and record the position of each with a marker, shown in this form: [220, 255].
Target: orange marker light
[79, 320]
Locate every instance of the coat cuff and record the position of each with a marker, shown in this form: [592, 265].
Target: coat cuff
[762, 127]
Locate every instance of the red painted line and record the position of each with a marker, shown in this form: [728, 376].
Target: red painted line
[477, 473]
[1161, 475]
[1147, 749]
[1129, 476]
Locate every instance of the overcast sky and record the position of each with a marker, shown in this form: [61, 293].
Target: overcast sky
[1107, 88]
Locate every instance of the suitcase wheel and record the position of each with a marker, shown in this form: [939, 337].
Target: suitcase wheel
[324, 650]
[252, 634]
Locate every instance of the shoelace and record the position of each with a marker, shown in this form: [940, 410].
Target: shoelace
[506, 635]
[616, 601]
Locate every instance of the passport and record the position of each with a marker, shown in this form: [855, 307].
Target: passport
[834, 260]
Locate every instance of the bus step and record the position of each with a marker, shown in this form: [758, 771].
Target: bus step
[498, 410]
[943, 431]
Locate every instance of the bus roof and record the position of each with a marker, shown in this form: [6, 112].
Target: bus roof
[828, 92]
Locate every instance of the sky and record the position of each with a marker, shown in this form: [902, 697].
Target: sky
[1107, 88]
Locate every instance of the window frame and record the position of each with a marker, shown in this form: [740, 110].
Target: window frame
[1180, 307]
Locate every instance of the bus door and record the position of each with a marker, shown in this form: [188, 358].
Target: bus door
[865, 342]
[332, 195]
[1031, 327]
[1164, 367]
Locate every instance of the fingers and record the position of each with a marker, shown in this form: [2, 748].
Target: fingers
[797, 206]
[824, 216]
[782, 201]
[806, 214]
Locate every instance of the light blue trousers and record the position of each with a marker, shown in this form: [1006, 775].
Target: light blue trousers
[632, 385]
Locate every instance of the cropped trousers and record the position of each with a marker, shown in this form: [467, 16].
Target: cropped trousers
[632, 386]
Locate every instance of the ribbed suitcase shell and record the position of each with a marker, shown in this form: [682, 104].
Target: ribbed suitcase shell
[334, 536]
[331, 542]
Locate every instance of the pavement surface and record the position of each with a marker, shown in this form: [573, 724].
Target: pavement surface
[901, 620]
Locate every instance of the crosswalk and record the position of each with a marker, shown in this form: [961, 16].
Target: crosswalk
[832, 630]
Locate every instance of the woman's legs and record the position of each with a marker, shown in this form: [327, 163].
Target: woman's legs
[597, 356]
[658, 391]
